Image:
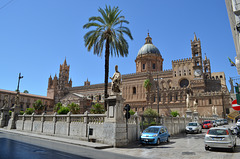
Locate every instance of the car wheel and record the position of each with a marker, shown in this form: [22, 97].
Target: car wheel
[232, 149]
[158, 142]
[168, 140]
[206, 148]
[200, 131]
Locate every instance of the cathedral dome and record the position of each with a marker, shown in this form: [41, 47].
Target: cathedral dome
[148, 47]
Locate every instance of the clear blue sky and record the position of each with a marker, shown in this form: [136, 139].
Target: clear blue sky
[37, 35]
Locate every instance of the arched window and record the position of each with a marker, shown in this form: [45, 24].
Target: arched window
[134, 90]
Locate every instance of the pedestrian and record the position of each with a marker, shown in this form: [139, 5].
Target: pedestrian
[232, 121]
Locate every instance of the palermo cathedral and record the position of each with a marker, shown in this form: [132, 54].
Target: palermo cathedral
[169, 88]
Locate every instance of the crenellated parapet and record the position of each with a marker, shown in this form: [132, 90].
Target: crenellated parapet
[181, 61]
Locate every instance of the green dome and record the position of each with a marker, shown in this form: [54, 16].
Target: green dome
[148, 47]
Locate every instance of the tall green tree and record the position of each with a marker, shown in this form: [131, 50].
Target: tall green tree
[25, 91]
[38, 106]
[107, 33]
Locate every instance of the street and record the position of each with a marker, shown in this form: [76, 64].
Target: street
[181, 146]
[14, 146]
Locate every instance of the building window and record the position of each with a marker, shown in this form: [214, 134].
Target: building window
[196, 54]
[99, 97]
[176, 97]
[210, 101]
[21, 106]
[189, 72]
[221, 76]
[134, 90]
[27, 105]
[159, 98]
[154, 99]
[136, 109]
[170, 97]
[179, 73]
[143, 66]
[142, 108]
[175, 73]
[154, 66]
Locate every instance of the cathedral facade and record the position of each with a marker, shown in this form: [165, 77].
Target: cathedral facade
[168, 89]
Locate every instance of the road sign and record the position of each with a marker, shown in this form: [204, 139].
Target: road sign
[235, 106]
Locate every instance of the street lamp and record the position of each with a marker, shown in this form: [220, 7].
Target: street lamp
[19, 77]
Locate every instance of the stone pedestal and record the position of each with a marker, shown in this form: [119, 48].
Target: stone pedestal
[189, 113]
[195, 116]
[13, 119]
[4, 117]
[114, 126]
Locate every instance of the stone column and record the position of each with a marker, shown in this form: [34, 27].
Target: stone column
[4, 117]
[115, 126]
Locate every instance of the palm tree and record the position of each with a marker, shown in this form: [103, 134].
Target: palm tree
[108, 33]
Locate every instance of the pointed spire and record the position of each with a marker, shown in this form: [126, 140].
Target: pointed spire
[205, 56]
[195, 37]
[65, 61]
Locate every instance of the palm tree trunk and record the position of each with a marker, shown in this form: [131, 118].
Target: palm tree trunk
[106, 72]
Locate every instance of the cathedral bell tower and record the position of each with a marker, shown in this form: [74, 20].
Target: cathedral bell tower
[58, 87]
[197, 57]
[206, 68]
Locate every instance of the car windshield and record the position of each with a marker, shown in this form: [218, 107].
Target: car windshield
[217, 132]
[192, 124]
[217, 120]
[151, 130]
[238, 120]
[206, 122]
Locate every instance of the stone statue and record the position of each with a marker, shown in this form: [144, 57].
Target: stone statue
[195, 104]
[5, 102]
[213, 109]
[116, 81]
[187, 100]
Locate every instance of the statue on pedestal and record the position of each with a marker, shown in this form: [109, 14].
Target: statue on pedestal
[195, 104]
[213, 109]
[187, 100]
[116, 81]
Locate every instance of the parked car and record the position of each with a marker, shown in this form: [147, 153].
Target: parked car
[220, 138]
[214, 123]
[193, 127]
[222, 121]
[207, 124]
[236, 130]
[218, 122]
[225, 121]
[155, 135]
[238, 122]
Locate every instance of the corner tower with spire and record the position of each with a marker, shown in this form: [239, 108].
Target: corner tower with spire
[58, 87]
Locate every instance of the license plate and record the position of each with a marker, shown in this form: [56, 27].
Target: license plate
[146, 139]
[217, 139]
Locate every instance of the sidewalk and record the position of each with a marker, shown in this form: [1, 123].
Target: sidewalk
[59, 139]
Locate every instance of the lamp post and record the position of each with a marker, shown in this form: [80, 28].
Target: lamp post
[19, 77]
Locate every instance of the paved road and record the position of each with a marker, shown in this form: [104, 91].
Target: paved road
[182, 146]
[15, 146]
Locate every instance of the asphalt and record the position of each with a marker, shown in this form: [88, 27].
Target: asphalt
[59, 139]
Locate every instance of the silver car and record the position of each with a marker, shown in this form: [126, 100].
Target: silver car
[220, 138]
[193, 127]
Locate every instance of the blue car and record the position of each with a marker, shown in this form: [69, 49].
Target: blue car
[155, 135]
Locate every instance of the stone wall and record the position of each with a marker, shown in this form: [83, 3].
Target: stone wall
[175, 125]
[77, 126]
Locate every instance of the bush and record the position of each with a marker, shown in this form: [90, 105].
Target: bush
[21, 112]
[74, 108]
[29, 111]
[57, 107]
[174, 113]
[131, 112]
[97, 109]
[150, 112]
[10, 112]
[63, 110]
[38, 106]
